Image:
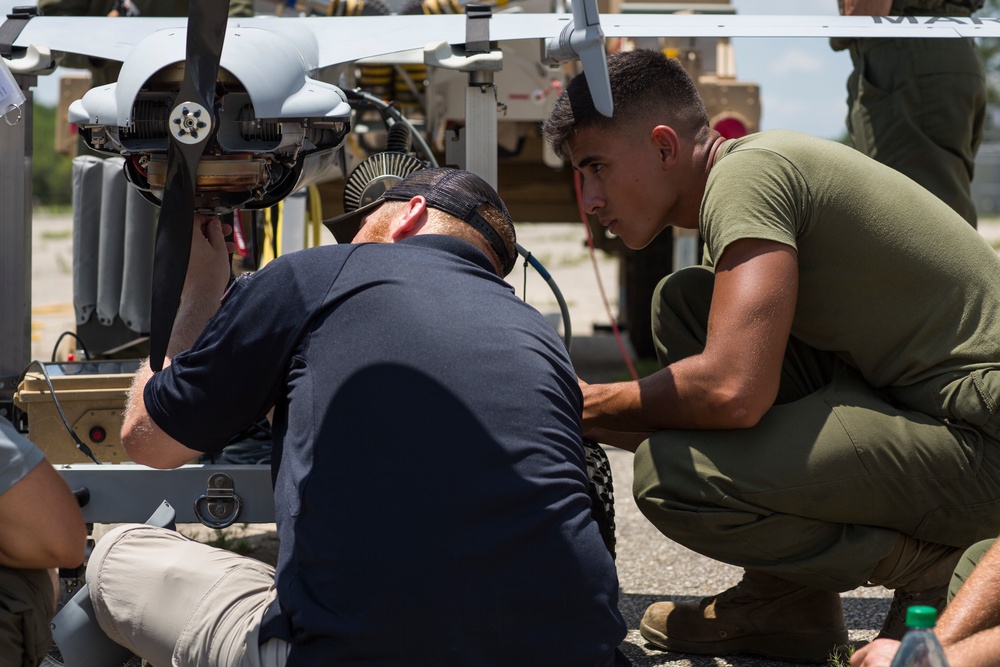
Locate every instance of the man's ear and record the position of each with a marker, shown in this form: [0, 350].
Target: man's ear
[410, 220]
[666, 142]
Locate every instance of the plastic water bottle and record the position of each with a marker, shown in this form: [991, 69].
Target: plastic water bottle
[920, 646]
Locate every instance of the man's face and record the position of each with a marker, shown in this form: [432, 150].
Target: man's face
[623, 183]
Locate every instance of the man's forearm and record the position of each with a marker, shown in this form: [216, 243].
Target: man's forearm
[195, 311]
[976, 607]
[689, 394]
[207, 274]
[979, 650]
[144, 441]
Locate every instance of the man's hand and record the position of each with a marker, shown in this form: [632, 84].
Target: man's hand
[208, 274]
[627, 440]
[208, 269]
[867, 7]
[877, 654]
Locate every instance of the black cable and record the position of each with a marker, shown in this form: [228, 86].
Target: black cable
[80, 444]
[79, 341]
[387, 110]
[547, 277]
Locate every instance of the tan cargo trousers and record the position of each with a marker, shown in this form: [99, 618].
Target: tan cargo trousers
[177, 602]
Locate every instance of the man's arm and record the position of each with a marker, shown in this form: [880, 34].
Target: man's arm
[969, 629]
[41, 522]
[970, 626]
[734, 381]
[867, 7]
[207, 275]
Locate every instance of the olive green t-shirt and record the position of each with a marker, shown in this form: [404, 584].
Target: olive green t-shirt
[890, 278]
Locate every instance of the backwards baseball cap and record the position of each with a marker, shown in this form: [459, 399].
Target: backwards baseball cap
[456, 192]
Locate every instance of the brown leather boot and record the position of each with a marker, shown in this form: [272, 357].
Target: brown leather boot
[763, 615]
[920, 573]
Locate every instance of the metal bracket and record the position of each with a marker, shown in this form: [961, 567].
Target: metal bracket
[480, 62]
[220, 506]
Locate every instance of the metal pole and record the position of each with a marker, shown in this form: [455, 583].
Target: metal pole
[481, 126]
[15, 246]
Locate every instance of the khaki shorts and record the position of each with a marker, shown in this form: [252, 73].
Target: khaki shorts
[174, 601]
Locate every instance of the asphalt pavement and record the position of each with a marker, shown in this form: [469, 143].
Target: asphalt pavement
[651, 567]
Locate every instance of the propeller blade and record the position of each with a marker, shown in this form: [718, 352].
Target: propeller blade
[583, 39]
[191, 124]
[205, 35]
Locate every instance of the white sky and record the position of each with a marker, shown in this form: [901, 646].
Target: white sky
[802, 80]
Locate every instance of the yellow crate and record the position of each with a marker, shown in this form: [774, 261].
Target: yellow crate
[92, 402]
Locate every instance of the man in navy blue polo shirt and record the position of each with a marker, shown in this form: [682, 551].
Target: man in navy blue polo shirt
[430, 485]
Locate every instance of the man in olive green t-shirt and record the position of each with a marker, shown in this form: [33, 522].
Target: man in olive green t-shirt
[825, 412]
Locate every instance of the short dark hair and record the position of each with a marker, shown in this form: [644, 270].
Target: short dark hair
[645, 86]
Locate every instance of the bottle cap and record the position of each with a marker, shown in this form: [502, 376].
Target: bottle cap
[919, 616]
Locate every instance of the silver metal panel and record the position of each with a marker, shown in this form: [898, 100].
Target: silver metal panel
[294, 233]
[87, 177]
[481, 128]
[128, 492]
[137, 273]
[111, 249]
[15, 246]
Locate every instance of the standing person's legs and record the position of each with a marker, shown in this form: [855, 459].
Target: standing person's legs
[174, 601]
[918, 105]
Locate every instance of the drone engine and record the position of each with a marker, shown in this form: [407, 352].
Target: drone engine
[270, 132]
[250, 162]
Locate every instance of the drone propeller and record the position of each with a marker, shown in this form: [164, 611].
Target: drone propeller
[583, 38]
[191, 124]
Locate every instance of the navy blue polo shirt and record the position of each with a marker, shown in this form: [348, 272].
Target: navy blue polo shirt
[430, 485]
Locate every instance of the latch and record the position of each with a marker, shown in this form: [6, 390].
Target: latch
[220, 506]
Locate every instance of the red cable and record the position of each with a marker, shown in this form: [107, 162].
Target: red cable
[600, 284]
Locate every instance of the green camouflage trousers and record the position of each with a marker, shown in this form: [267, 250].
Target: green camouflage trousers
[820, 489]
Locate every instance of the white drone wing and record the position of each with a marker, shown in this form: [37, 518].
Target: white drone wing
[346, 39]
[305, 45]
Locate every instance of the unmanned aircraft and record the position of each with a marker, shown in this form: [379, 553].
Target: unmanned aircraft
[228, 113]
[213, 113]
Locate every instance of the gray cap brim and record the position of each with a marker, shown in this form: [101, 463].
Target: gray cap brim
[345, 227]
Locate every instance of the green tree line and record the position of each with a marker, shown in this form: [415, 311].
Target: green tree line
[52, 174]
